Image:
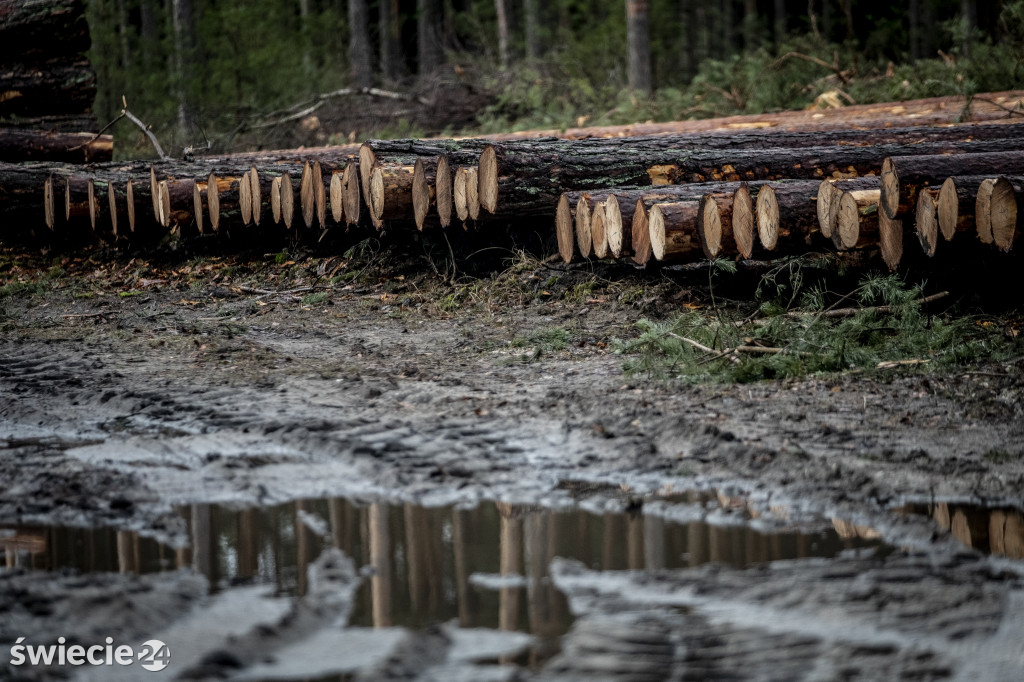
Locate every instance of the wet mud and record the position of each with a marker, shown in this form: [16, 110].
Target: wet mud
[214, 458]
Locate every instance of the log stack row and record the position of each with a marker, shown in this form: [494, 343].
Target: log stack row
[667, 196]
[47, 85]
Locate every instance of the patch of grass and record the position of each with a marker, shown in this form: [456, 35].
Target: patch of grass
[314, 298]
[888, 329]
[130, 294]
[580, 292]
[15, 289]
[282, 257]
[1001, 456]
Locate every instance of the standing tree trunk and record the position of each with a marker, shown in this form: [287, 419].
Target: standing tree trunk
[360, 56]
[750, 27]
[390, 46]
[502, 12]
[428, 36]
[728, 29]
[780, 22]
[307, 47]
[914, 21]
[532, 14]
[184, 54]
[638, 39]
[149, 33]
[969, 22]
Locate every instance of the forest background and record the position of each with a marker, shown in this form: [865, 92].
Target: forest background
[247, 74]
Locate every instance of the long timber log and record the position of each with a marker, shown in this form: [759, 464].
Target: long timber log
[932, 111]
[49, 145]
[527, 178]
[904, 176]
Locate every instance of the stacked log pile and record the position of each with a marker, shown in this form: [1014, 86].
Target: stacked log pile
[862, 179]
[47, 85]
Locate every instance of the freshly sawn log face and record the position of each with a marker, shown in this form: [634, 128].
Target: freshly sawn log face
[927, 220]
[1003, 212]
[857, 219]
[673, 230]
[563, 229]
[598, 236]
[956, 204]
[904, 176]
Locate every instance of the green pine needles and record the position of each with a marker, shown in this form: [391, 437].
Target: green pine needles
[882, 325]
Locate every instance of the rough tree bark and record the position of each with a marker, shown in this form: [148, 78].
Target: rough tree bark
[360, 55]
[638, 41]
[502, 11]
[428, 34]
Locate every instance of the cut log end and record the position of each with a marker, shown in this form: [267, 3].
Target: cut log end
[337, 199]
[582, 221]
[48, 203]
[487, 178]
[1003, 214]
[164, 202]
[656, 229]
[255, 194]
[563, 226]
[709, 227]
[890, 201]
[743, 221]
[460, 195]
[890, 239]
[443, 191]
[94, 208]
[353, 197]
[927, 220]
[613, 226]
[598, 233]
[948, 209]
[154, 191]
[275, 200]
[846, 232]
[367, 162]
[307, 197]
[473, 193]
[585, 208]
[112, 206]
[420, 193]
[287, 200]
[129, 193]
[641, 235]
[212, 201]
[376, 197]
[245, 199]
[197, 204]
[828, 207]
[320, 194]
[981, 211]
[768, 217]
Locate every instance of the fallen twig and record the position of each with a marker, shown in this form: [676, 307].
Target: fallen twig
[850, 312]
[892, 364]
[311, 105]
[700, 346]
[134, 119]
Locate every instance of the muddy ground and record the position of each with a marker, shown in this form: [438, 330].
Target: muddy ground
[130, 385]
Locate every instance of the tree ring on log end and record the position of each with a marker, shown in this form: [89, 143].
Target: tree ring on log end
[743, 221]
[197, 204]
[420, 193]
[48, 205]
[488, 179]
[656, 230]
[164, 201]
[287, 200]
[613, 226]
[709, 226]
[584, 221]
[307, 202]
[982, 206]
[245, 198]
[255, 194]
[112, 206]
[376, 196]
[367, 162]
[320, 194]
[275, 199]
[94, 208]
[641, 234]
[473, 193]
[353, 198]
[1003, 214]
[598, 231]
[212, 201]
[768, 217]
[563, 225]
[443, 191]
[847, 228]
[828, 206]
[927, 221]
[460, 194]
[129, 193]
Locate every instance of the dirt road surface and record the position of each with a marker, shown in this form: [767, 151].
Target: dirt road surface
[129, 391]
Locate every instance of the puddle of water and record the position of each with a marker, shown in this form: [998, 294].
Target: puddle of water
[484, 568]
[990, 530]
